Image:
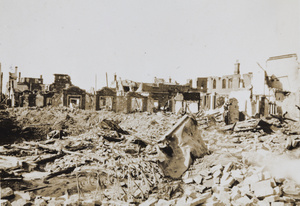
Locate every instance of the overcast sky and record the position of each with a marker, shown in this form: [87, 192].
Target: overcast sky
[138, 39]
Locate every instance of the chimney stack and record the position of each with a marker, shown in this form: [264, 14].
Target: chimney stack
[16, 70]
[237, 67]
[19, 76]
[170, 80]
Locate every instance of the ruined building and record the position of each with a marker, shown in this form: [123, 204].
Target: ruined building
[283, 84]
[21, 91]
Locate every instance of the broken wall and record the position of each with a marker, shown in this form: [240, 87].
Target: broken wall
[244, 100]
[57, 99]
[288, 105]
[286, 68]
[122, 104]
[89, 101]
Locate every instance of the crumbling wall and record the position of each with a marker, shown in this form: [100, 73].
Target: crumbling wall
[243, 98]
[90, 102]
[39, 100]
[288, 105]
[57, 100]
[122, 104]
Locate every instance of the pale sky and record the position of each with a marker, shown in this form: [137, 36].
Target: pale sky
[139, 39]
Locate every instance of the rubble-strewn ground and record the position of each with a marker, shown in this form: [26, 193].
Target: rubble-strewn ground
[89, 160]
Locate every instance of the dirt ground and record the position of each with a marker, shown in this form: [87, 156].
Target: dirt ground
[106, 158]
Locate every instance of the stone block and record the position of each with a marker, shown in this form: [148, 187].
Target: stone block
[198, 179]
[277, 204]
[228, 183]
[208, 183]
[278, 191]
[215, 168]
[223, 197]
[200, 199]
[243, 201]
[39, 201]
[235, 193]
[267, 175]
[150, 201]
[272, 198]
[262, 188]
[188, 180]
[214, 203]
[225, 176]
[5, 203]
[228, 167]
[217, 173]
[245, 189]
[263, 203]
[163, 202]
[237, 175]
[218, 189]
[217, 180]
[251, 179]
[7, 193]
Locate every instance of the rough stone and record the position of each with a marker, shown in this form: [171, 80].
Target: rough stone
[228, 183]
[272, 198]
[150, 201]
[237, 175]
[228, 167]
[245, 189]
[243, 201]
[217, 180]
[235, 193]
[251, 179]
[262, 189]
[277, 204]
[217, 173]
[218, 189]
[7, 193]
[188, 180]
[267, 175]
[39, 201]
[200, 199]
[5, 203]
[215, 168]
[263, 203]
[208, 183]
[278, 191]
[198, 179]
[223, 197]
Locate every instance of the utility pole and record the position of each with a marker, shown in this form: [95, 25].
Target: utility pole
[95, 82]
[106, 80]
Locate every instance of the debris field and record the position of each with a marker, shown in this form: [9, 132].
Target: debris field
[63, 156]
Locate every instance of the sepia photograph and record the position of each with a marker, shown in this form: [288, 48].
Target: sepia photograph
[149, 102]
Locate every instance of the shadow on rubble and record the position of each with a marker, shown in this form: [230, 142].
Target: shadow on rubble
[11, 132]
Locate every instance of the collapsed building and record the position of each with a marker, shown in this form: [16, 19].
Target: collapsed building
[129, 96]
[270, 91]
[29, 92]
[21, 91]
[274, 91]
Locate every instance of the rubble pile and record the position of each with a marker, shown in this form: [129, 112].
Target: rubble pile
[104, 158]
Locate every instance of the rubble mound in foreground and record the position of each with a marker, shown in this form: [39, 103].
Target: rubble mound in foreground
[244, 166]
